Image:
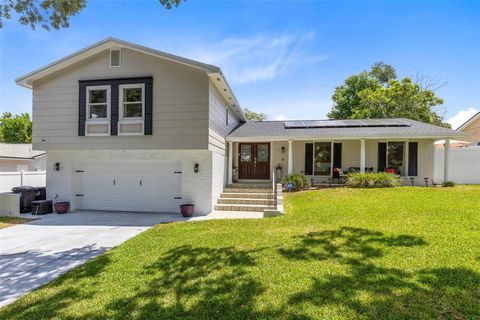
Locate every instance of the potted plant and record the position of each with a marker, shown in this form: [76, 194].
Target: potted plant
[187, 210]
[62, 206]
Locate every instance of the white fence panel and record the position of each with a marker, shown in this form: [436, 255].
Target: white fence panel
[464, 165]
[8, 180]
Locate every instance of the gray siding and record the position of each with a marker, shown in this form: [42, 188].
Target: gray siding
[180, 105]
[217, 120]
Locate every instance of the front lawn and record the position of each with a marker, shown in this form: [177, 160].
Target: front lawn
[11, 221]
[399, 253]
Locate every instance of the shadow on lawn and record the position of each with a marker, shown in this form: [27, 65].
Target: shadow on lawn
[368, 289]
[196, 283]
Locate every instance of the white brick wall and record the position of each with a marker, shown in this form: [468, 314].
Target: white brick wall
[196, 187]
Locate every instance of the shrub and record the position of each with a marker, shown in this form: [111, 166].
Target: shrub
[448, 184]
[299, 181]
[372, 180]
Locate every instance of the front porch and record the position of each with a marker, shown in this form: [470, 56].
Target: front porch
[326, 160]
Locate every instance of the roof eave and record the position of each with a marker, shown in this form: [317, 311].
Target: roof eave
[27, 80]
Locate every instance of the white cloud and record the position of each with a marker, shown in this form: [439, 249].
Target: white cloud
[281, 117]
[461, 116]
[258, 57]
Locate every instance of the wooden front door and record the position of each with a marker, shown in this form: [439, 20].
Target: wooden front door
[254, 160]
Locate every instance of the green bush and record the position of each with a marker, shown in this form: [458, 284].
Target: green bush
[372, 180]
[448, 184]
[299, 181]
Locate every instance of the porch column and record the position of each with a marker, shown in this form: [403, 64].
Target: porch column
[290, 157]
[362, 155]
[446, 169]
[230, 162]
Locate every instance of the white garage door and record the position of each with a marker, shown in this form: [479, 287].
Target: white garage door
[152, 186]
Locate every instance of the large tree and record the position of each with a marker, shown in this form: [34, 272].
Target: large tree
[15, 129]
[50, 13]
[378, 94]
[254, 116]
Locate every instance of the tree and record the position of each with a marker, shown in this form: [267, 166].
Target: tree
[51, 13]
[383, 72]
[16, 129]
[254, 116]
[378, 94]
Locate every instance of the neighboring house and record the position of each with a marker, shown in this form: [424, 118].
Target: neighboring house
[134, 129]
[18, 157]
[471, 129]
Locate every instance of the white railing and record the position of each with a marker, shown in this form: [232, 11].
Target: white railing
[464, 165]
[274, 189]
[8, 180]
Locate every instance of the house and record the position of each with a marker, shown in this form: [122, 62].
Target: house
[130, 128]
[471, 129]
[18, 157]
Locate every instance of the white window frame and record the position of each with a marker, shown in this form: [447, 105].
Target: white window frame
[130, 120]
[98, 121]
[119, 57]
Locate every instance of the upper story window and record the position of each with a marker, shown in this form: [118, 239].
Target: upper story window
[98, 102]
[98, 111]
[132, 108]
[115, 58]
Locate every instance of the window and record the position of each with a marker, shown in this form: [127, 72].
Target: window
[115, 58]
[323, 158]
[98, 111]
[132, 108]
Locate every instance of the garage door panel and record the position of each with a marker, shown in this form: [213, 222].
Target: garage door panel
[129, 186]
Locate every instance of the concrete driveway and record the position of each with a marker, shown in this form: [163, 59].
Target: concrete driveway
[34, 253]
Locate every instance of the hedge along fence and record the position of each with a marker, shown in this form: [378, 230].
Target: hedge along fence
[372, 180]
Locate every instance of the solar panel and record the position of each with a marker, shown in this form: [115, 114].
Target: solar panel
[346, 123]
[294, 124]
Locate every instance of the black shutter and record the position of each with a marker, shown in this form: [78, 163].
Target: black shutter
[412, 158]
[114, 109]
[382, 156]
[337, 155]
[82, 108]
[148, 106]
[308, 159]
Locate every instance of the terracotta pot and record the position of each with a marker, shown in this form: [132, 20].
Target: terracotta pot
[187, 210]
[62, 207]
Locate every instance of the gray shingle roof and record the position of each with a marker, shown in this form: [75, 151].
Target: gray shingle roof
[19, 151]
[277, 130]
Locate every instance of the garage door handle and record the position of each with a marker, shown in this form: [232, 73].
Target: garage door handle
[113, 181]
[140, 182]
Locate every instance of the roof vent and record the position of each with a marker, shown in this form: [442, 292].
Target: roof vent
[115, 58]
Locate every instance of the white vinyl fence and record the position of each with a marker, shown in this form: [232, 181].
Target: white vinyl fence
[8, 180]
[464, 165]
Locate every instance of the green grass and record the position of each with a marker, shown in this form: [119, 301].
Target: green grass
[399, 253]
[6, 222]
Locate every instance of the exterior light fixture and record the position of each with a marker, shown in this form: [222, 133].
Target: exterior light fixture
[411, 180]
[426, 181]
[56, 166]
[283, 149]
[195, 167]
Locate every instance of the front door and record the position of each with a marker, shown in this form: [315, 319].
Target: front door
[254, 161]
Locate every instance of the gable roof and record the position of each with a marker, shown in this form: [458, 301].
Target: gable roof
[19, 151]
[214, 72]
[469, 122]
[280, 130]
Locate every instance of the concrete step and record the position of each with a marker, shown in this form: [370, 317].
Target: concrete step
[242, 207]
[250, 185]
[245, 190]
[245, 201]
[257, 195]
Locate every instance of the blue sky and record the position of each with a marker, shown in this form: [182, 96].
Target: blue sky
[281, 58]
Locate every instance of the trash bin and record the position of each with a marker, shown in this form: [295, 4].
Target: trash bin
[41, 193]
[27, 195]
